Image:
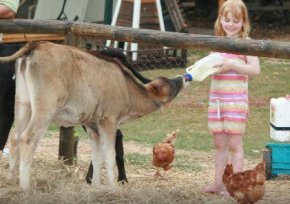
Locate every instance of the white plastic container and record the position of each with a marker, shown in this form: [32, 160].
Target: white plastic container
[205, 66]
[280, 119]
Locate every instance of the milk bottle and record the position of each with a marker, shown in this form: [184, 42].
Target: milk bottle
[205, 66]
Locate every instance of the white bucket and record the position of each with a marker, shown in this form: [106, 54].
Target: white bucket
[280, 119]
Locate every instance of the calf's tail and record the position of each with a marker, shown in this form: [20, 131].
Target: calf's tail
[26, 48]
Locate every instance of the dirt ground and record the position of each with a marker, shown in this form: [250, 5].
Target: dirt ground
[53, 182]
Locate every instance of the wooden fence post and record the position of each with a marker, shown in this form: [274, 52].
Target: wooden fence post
[67, 145]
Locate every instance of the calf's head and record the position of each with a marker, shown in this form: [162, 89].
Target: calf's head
[165, 89]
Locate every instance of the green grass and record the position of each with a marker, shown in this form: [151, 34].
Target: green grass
[138, 159]
[188, 112]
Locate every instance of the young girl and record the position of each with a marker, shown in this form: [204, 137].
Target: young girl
[228, 98]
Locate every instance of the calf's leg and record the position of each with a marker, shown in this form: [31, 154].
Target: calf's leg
[97, 158]
[22, 117]
[108, 135]
[38, 121]
[119, 149]
[33, 114]
[27, 144]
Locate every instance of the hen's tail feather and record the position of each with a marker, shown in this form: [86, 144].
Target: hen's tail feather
[261, 167]
[171, 137]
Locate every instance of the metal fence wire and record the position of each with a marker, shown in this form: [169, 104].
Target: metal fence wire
[150, 58]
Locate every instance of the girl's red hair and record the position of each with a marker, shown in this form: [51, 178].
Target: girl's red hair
[240, 11]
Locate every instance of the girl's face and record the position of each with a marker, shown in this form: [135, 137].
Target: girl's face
[231, 25]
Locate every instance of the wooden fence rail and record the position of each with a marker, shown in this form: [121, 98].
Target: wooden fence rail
[263, 48]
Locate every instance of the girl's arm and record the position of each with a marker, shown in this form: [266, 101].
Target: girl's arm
[251, 68]
[5, 12]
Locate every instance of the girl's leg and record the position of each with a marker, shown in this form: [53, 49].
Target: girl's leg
[221, 158]
[235, 144]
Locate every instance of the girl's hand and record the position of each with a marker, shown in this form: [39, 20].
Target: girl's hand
[225, 66]
[251, 68]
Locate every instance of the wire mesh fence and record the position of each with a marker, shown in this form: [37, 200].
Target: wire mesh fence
[149, 58]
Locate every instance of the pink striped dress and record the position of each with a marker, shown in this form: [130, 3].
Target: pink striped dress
[228, 102]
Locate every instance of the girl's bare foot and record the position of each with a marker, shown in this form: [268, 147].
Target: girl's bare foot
[224, 194]
[212, 189]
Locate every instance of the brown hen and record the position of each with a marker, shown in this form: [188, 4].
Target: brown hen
[247, 186]
[163, 153]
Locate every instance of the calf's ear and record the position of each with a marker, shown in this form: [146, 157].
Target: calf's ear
[153, 88]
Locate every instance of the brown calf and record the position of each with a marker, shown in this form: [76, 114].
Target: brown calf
[65, 85]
